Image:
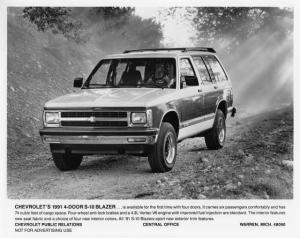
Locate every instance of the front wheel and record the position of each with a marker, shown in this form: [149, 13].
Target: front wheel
[162, 155]
[215, 137]
[66, 162]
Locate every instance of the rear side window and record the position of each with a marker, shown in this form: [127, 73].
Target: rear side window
[216, 68]
[204, 76]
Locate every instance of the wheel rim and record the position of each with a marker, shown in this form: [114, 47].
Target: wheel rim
[221, 130]
[169, 148]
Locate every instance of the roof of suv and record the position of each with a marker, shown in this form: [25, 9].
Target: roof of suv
[163, 52]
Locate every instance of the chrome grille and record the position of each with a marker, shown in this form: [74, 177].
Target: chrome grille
[94, 118]
[93, 114]
[95, 124]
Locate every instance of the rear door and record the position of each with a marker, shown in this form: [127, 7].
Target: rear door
[209, 86]
[220, 78]
[191, 101]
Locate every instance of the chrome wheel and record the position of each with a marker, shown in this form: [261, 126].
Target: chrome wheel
[162, 155]
[221, 130]
[215, 137]
[169, 148]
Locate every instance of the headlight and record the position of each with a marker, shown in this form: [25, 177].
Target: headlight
[52, 119]
[138, 118]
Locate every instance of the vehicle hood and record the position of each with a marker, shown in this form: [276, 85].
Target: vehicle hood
[111, 97]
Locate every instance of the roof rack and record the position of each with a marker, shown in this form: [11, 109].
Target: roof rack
[185, 49]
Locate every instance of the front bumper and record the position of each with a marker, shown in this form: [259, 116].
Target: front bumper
[93, 136]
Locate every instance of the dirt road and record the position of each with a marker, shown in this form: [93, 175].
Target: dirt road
[257, 162]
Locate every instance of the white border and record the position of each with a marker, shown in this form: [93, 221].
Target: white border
[293, 205]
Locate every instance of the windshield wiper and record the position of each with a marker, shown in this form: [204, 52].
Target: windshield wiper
[95, 86]
[150, 85]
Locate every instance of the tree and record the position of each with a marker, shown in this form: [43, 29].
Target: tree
[232, 25]
[111, 28]
[111, 17]
[113, 12]
[135, 33]
[56, 19]
[61, 20]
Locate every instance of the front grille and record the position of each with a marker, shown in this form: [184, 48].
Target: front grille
[94, 114]
[94, 118]
[95, 124]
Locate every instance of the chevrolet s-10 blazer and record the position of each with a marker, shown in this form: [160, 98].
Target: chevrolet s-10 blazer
[141, 102]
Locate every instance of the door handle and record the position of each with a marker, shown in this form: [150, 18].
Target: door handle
[199, 90]
[215, 86]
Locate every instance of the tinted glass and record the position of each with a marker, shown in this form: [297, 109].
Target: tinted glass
[120, 68]
[187, 71]
[216, 68]
[100, 75]
[134, 72]
[204, 76]
[186, 68]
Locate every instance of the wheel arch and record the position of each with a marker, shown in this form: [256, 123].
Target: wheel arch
[222, 105]
[172, 117]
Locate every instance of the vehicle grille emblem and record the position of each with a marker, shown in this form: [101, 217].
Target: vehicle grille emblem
[92, 119]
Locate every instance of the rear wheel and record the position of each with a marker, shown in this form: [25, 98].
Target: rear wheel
[162, 155]
[67, 162]
[215, 137]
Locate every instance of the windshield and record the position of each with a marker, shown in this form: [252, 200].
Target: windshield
[133, 73]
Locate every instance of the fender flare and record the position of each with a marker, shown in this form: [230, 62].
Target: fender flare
[220, 101]
[165, 113]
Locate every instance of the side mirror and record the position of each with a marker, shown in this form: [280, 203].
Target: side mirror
[78, 82]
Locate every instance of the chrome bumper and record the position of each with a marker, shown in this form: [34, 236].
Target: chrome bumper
[99, 140]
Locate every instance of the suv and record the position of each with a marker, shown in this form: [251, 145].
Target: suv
[141, 102]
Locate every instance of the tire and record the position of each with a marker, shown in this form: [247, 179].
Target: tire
[215, 137]
[162, 155]
[66, 162]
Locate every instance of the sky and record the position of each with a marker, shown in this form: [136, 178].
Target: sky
[176, 30]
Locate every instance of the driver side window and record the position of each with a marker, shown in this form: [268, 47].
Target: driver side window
[187, 74]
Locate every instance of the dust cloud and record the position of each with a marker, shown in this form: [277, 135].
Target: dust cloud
[261, 70]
